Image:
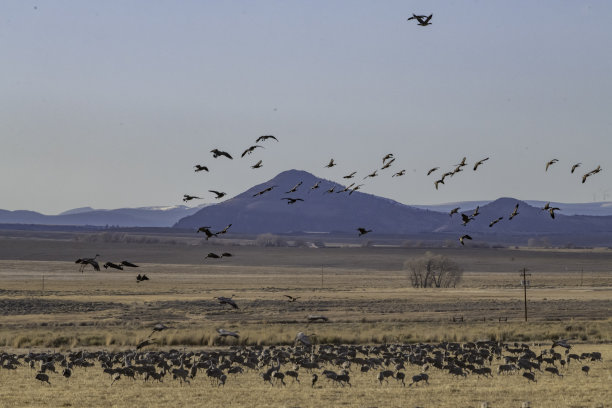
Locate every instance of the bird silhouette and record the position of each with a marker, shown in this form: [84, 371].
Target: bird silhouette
[476, 211]
[292, 298]
[264, 191]
[158, 328]
[144, 343]
[226, 255]
[250, 150]
[387, 157]
[550, 163]
[432, 170]
[129, 264]
[331, 164]
[187, 197]
[206, 230]
[363, 231]
[495, 221]
[88, 261]
[552, 210]
[141, 278]
[464, 237]
[219, 194]
[438, 182]
[590, 173]
[515, 212]
[265, 137]
[212, 255]
[357, 187]
[227, 301]
[224, 230]
[479, 162]
[399, 173]
[216, 153]
[422, 20]
[388, 164]
[200, 168]
[454, 211]
[291, 200]
[350, 176]
[257, 165]
[331, 190]
[294, 189]
[345, 189]
[112, 265]
[465, 219]
[226, 333]
[372, 175]
[575, 166]
[316, 185]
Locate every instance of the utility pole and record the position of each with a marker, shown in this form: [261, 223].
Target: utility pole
[321, 276]
[525, 283]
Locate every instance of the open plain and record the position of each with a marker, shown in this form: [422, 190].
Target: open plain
[47, 305]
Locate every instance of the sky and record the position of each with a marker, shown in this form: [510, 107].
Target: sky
[110, 104]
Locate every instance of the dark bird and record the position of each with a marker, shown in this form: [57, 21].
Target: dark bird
[142, 278]
[479, 162]
[345, 189]
[257, 165]
[226, 255]
[476, 211]
[465, 218]
[552, 210]
[454, 211]
[206, 230]
[42, 377]
[200, 168]
[331, 190]
[187, 197]
[88, 261]
[550, 163]
[314, 380]
[291, 200]
[515, 212]
[546, 206]
[226, 333]
[590, 173]
[492, 223]
[159, 327]
[216, 153]
[250, 150]
[388, 164]
[264, 191]
[462, 163]
[432, 170]
[399, 173]
[212, 255]
[67, 372]
[224, 230]
[129, 264]
[227, 301]
[350, 176]
[112, 265]
[438, 182]
[387, 157]
[363, 231]
[373, 174]
[464, 237]
[294, 189]
[291, 298]
[144, 343]
[575, 166]
[265, 137]
[422, 20]
[357, 187]
[330, 164]
[219, 194]
[316, 185]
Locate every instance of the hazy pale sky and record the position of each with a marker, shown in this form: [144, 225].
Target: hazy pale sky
[111, 103]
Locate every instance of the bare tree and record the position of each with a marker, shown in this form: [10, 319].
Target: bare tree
[433, 271]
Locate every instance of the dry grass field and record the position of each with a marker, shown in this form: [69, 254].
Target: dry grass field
[363, 291]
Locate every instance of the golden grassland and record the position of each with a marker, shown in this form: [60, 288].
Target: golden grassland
[363, 291]
[91, 387]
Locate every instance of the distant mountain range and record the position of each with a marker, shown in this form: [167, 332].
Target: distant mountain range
[322, 211]
[332, 212]
[122, 217]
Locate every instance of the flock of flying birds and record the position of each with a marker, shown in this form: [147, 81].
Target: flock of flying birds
[387, 161]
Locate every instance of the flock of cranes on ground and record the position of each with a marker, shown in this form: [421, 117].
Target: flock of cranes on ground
[323, 365]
